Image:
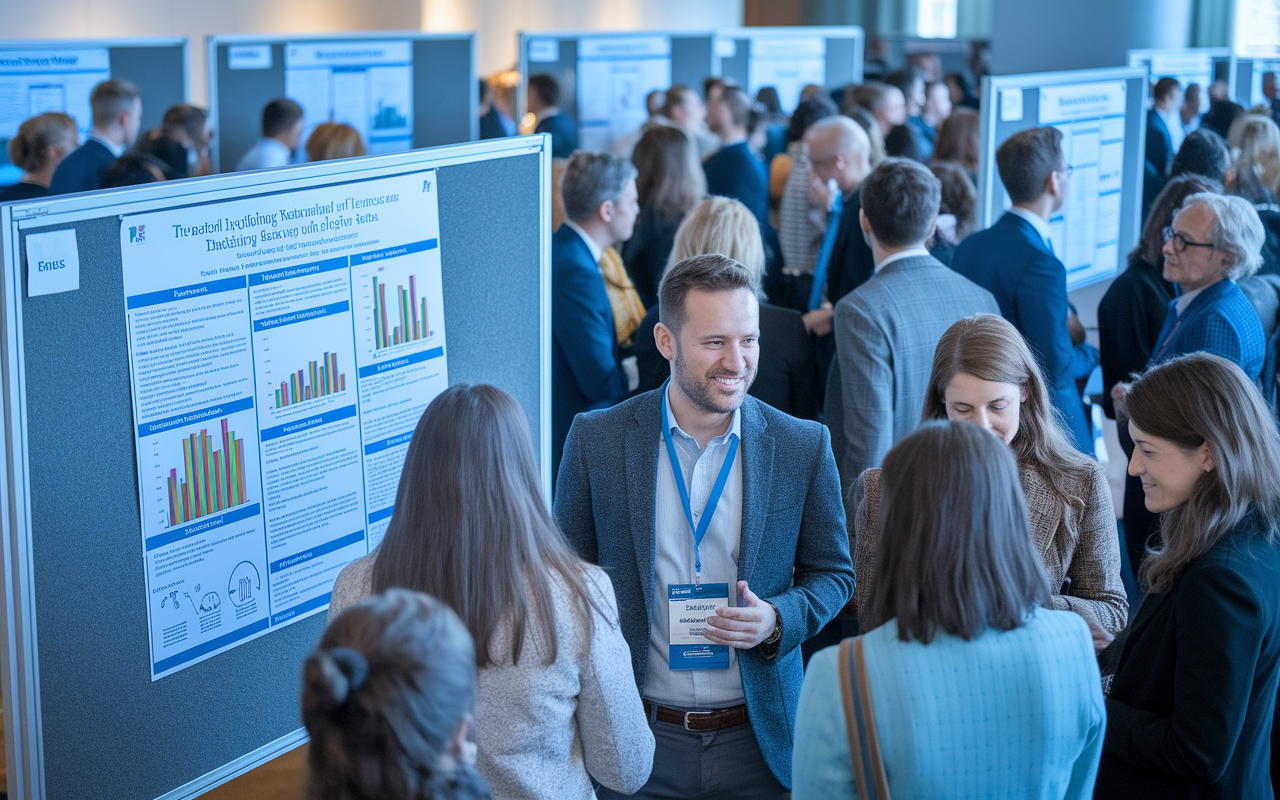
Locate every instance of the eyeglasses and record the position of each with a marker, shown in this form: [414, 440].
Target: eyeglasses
[1180, 242]
[1068, 169]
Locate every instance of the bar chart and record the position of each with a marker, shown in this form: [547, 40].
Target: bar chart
[320, 379]
[405, 321]
[212, 478]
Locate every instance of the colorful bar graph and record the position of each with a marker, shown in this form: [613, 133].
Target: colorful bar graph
[319, 379]
[212, 480]
[409, 314]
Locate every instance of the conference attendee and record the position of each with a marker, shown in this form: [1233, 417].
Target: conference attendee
[1213, 242]
[1245, 180]
[116, 106]
[887, 328]
[1130, 318]
[984, 373]
[173, 158]
[773, 122]
[387, 701]
[867, 121]
[937, 107]
[885, 102]
[37, 149]
[188, 125]
[1203, 153]
[1221, 114]
[721, 694]
[1164, 125]
[974, 687]
[929, 65]
[733, 170]
[132, 169]
[493, 123]
[1189, 115]
[962, 95]
[787, 376]
[958, 211]
[282, 125]
[1189, 712]
[838, 151]
[909, 140]
[685, 109]
[543, 101]
[1255, 140]
[957, 141]
[587, 369]
[332, 140]
[623, 146]
[1014, 259]
[669, 183]
[556, 703]
[1269, 92]
[801, 221]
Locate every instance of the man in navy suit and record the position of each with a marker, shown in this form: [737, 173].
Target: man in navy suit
[117, 116]
[544, 103]
[600, 206]
[1014, 260]
[1164, 125]
[733, 170]
[697, 493]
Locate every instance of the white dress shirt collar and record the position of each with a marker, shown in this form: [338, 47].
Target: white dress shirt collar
[597, 252]
[735, 427]
[117, 150]
[911, 252]
[1185, 299]
[1038, 222]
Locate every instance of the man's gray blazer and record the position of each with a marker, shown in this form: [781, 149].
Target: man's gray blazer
[886, 331]
[794, 550]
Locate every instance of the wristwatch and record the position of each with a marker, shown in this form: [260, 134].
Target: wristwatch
[777, 626]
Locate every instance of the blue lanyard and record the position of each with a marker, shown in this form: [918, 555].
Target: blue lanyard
[823, 264]
[700, 529]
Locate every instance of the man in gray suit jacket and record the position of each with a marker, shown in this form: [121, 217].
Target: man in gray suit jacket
[887, 329]
[698, 492]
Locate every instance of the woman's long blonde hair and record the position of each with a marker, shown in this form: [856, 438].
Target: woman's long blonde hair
[989, 348]
[725, 226]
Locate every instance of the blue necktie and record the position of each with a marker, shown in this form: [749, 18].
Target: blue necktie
[824, 255]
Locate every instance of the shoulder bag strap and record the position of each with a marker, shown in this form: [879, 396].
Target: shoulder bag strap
[851, 721]
[875, 758]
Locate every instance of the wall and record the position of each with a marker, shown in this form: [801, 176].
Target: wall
[1047, 35]
[499, 21]
[196, 19]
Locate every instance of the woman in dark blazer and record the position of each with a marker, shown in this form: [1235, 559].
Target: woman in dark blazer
[786, 375]
[1190, 706]
[669, 182]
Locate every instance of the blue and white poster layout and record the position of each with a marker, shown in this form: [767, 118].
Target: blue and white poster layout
[367, 85]
[1086, 231]
[615, 74]
[788, 64]
[34, 80]
[281, 351]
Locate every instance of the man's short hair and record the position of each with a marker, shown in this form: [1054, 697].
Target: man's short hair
[1164, 89]
[279, 116]
[739, 104]
[1027, 159]
[1237, 231]
[905, 79]
[546, 87]
[677, 96]
[590, 179]
[112, 98]
[900, 198]
[708, 273]
[870, 95]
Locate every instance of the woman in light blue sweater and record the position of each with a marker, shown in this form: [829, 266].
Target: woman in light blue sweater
[977, 690]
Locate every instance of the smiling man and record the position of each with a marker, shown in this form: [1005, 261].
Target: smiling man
[720, 522]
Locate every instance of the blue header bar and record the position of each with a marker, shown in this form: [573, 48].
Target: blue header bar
[387, 444]
[159, 425]
[185, 292]
[309, 422]
[398, 363]
[300, 271]
[301, 316]
[392, 252]
[202, 525]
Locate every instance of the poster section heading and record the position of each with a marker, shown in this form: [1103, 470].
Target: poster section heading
[281, 351]
[1086, 231]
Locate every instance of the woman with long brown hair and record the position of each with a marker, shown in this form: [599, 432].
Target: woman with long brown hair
[1191, 703]
[983, 372]
[556, 693]
[669, 182]
[958, 141]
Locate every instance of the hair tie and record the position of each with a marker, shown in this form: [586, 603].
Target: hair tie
[354, 668]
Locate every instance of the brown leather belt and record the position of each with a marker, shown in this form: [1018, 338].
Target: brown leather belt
[698, 721]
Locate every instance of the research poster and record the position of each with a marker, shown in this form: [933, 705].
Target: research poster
[33, 81]
[1086, 231]
[367, 85]
[615, 74]
[787, 63]
[281, 351]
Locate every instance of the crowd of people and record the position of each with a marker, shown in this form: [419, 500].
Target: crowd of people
[828, 518]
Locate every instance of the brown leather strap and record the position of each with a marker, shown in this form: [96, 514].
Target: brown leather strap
[699, 720]
[851, 719]
[873, 737]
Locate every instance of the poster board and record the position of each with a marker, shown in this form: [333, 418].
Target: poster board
[790, 58]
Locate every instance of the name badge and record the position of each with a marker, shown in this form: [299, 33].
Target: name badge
[689, 606]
